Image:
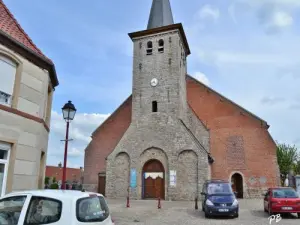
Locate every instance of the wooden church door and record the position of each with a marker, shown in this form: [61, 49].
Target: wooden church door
[153, 180]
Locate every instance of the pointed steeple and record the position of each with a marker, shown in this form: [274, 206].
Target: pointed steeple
[161, 14]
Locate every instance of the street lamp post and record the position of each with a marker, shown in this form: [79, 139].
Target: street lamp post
[69, 112]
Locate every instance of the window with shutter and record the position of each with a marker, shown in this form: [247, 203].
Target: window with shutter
[8, 69]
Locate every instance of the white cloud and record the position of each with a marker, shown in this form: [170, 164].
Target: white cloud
[286, 4]
[81, 129]
[272, 100]
[273, 15]
[282, 19]
[232, 12]
[75, 152]
[253, 58]
[275, 20]
[227, 57]
[248, 49]
[202, 78]
[283, 3]
[209, 12]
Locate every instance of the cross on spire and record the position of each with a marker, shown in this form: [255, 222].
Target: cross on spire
[161, 14]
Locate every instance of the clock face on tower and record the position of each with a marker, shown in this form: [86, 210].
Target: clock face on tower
[154, 82]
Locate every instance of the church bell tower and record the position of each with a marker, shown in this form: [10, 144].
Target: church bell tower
[159, 66]
[165, 138]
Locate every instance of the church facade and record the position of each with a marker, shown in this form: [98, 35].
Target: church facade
[174, 133]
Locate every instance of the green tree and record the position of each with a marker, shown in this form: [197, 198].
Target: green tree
[287, 157]
[54, 179]
[47, 180]
[297, 167]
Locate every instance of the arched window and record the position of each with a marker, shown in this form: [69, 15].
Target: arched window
[8, 69]
[149, 44]
[149, 48]
[161, 45]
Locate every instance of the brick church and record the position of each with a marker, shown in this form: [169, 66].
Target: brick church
[174, 132]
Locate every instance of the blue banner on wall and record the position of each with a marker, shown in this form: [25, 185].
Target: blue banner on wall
[133, 178]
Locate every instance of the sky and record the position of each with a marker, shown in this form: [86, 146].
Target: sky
[247, 50]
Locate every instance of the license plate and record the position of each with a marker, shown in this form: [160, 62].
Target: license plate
[223, 210]
[287, 208]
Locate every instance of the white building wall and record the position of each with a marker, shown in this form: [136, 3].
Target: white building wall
[29, 138]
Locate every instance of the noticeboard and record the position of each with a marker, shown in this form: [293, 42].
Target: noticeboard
[172, 178]
[133, 178]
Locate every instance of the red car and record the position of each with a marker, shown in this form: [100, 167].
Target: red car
[282, 200]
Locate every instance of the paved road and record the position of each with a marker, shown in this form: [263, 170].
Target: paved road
[183, 213]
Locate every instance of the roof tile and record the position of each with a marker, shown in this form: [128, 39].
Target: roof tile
[10, 26]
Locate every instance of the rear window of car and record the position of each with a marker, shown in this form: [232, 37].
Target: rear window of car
[285, 193]
[92, 209]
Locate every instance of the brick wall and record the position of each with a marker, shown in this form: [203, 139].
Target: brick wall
[238, 141]
[72, 174]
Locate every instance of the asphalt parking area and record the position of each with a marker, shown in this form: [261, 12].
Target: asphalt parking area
[183, 213]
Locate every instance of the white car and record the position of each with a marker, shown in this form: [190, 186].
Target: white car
[55, 207]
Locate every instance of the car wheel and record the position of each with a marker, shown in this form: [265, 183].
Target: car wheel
[298, 214]
[206, 215]
[236, 216]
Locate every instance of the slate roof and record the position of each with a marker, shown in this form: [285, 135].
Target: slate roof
[161, 14]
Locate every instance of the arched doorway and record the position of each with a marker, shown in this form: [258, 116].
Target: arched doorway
[237, 185]
[153, 180]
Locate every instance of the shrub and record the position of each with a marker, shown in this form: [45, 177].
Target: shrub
[54, 186]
